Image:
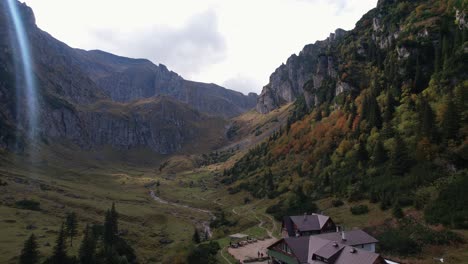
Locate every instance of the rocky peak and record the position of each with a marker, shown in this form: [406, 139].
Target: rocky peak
[288, 80]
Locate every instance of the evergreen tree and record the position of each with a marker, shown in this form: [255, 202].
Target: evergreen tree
[379, 156]
[71, 226]
[114, 217]
[60, 249]
[362, 154]
[109, 235]
[29, 254]
[427, 120]
[400, 161]
[318, 115]
[450, 121]
[87, 252]
[418, 78]
[111, 229]
[371, 111]
[196, 237]
[436, 59]
[446, 51]
[397, 211]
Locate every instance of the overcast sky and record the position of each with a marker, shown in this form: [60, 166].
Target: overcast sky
[234, 43]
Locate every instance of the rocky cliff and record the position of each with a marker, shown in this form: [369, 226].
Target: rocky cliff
[287, 82]
[94, 99]
[124, 80]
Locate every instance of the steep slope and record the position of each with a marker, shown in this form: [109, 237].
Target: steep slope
[382, 116]
[125, 80]
[94, 99]
[288, 80]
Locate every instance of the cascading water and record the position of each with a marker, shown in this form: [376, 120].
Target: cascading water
[27, 94]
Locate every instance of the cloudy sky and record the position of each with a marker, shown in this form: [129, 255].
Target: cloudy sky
[234, 43]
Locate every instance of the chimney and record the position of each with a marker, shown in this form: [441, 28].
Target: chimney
[352, 250]
[335, 244]
[305, 216]
[343, 236]
[337, 228]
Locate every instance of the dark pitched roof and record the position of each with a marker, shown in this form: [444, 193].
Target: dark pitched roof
[299, 246]
[304, 223]
[356, 256]
[353, 237]
[329, 250]
[304, 248]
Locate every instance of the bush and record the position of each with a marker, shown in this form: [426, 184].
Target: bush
[409, 237]
[359, 209]
[397, 211]
[204, 254]
[337, 203]
[28, 205]
[398, 242]
[450, 207]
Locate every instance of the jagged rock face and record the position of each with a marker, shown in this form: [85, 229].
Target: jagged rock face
[95, 99]
[125, 80]
[287, 82]
[162, 124]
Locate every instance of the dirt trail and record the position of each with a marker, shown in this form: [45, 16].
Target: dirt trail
[205, 224]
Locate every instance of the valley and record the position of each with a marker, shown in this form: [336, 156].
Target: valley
[368, 127]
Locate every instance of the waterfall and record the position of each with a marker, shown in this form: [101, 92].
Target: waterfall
[27, 88]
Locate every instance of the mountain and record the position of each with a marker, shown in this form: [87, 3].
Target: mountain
[380, 114]
[124, 80]
[94, 99]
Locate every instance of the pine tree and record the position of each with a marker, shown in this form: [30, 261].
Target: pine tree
[436, 59]
[446, 51]
[362, 154]
[71, 226]
[29, 254]
[427, 120]
[196, 237]
[111, 229]
[418, 78]
[114, 217]
[60, 249]
[379, 156]
[450, 121]
[87, 252]
[109, 235]
[375, 118]
[318, 115]
[397, 211]
[400, 161]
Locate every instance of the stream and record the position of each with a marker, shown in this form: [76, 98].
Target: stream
[205, 224]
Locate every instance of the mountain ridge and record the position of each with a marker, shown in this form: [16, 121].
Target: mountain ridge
[72, 81]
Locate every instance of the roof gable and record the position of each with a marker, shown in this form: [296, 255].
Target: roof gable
[313, 222]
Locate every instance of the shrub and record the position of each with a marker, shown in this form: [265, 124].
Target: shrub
[409, 237]
[337, 203]
[28, 205]
[397, 211]
[398, 242]
[204, 253]
[450, 207]
[359, 209]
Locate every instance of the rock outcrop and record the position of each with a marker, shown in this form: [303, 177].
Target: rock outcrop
[287, 82]
[125, 80]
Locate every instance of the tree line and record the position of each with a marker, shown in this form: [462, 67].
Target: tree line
[101, 243]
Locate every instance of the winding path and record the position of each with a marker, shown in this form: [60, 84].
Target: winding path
[205, 224]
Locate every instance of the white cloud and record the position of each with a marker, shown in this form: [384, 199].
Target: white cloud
[187, 49]
[233, 42]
